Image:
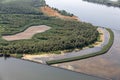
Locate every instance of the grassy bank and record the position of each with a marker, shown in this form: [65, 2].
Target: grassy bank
[103, 51]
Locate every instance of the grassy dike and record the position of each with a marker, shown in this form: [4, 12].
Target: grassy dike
[103, 51]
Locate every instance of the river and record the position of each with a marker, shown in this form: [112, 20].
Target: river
[107, 65]
[16, 69]
[97, 14]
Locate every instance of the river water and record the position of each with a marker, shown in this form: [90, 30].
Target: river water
[16, 69]
[107, 65]
[96, 14]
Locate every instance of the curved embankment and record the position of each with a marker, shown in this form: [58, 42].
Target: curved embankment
[104, 38]
[106, 65]
[28, 33]
[102, 51]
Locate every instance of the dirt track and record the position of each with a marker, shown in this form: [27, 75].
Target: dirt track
[28, 33]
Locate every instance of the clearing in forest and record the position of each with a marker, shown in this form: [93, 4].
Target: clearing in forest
[28, 33]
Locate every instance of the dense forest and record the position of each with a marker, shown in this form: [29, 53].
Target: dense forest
[18, 15]
[106, 2]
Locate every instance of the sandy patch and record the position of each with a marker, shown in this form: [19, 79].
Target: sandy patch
[102, 36]
[28, 33]
[39, 58]
[50, 12]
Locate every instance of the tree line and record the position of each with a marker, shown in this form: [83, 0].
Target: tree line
[106, 2]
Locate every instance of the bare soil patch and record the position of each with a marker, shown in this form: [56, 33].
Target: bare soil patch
[28, 33]
[50, 12]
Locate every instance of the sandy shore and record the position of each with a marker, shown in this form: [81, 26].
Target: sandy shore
[46, 57]
[28, 33]
[102, 36]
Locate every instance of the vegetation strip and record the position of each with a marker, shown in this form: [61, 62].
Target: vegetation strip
[103, 51]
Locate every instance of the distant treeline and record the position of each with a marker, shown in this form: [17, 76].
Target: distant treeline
[106, 2]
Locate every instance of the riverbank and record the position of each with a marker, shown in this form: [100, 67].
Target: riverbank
[47, 57]
[54, 13]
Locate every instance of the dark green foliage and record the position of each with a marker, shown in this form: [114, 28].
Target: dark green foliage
[63, 34]
[104, 50]
[21, 6]
[106, 2]
[14, 23]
